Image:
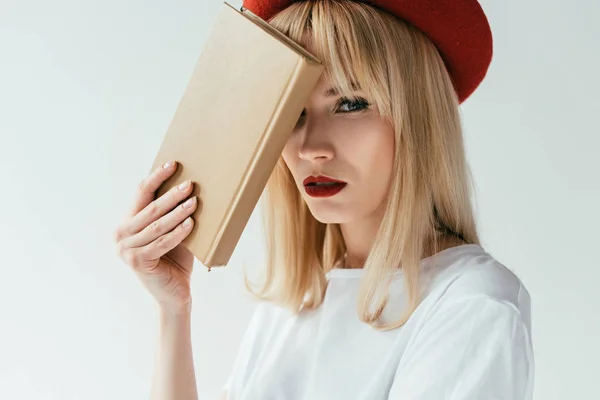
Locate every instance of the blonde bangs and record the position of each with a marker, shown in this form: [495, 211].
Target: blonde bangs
[339, 34]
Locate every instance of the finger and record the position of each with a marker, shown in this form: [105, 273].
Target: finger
[167, 242]
[163, 225]
[146, 190]
[157, 208]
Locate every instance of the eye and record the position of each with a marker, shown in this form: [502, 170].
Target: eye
[355, 105]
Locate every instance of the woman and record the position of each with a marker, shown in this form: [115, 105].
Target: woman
[376, 287]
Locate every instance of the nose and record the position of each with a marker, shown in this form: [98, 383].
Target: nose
[315, 143]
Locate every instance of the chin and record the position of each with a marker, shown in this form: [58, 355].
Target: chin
[329, 217]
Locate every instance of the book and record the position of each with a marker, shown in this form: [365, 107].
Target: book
[240, 106]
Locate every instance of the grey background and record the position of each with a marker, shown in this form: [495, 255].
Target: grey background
[87, 91]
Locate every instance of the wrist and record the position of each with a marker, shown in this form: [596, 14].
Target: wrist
[175, 309]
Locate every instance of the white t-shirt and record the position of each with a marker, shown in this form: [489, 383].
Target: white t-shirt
[469, 339]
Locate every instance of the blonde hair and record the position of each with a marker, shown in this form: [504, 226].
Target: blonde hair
[401, 71]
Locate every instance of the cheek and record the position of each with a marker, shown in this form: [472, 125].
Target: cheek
[387, 146]
[386, 153]
[374, 149]
[386, 159]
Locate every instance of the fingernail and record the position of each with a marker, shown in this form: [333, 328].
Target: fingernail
[168, 164]
[184, 185]
[189, 203]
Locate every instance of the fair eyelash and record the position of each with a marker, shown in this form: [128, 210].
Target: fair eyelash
[364, 104]
[359, 101]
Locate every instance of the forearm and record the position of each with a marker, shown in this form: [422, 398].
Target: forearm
[174, 376]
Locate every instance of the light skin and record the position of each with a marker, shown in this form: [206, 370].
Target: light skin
[349, 141]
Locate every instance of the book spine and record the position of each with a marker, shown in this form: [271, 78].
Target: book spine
[267, 153]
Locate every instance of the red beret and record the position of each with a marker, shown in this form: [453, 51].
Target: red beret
[459, 29]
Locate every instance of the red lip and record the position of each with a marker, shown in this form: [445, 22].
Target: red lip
[323, 191]
[320, 178]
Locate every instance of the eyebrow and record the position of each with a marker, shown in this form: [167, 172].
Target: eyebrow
[334, 91]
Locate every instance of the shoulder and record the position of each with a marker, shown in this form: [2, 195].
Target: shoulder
[471, 333]
[259, 328]
[266, 318]
[472, 277]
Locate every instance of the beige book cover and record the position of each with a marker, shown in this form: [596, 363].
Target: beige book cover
[240, 106]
